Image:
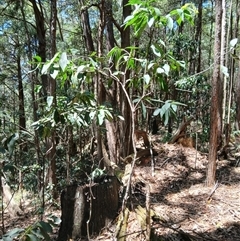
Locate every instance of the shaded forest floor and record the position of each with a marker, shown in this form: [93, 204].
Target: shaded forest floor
[183, 207]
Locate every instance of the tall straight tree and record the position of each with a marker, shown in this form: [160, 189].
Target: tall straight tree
[52, 92]
[216, 98]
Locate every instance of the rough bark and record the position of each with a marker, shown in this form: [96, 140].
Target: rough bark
[126, 126]
[87, 209]
[87, 33]
[238, 77]
[216, 106]
[41, 37]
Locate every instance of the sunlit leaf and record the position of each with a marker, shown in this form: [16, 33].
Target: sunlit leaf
[224, 70]
[233, 43]
[47, 65]
[101, 116]
[150, 22]
[160, 70]
[155, 50]
[63, 61]
[166, 68]
[169, 22]
[146, 78]
[54, 74]
[49, 101]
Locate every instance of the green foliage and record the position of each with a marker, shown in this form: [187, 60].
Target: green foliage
[146, 15]
[78, 108]
[168, 110]
[35, 232]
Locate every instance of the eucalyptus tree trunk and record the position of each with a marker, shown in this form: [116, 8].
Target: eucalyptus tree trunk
[51, 142]
[32, 79]
[238, 77]
[216, 100]
[41, 37]
[125, 126]
[198, 36]
[111, 95]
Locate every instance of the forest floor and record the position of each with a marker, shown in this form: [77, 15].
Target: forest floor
[182, 207]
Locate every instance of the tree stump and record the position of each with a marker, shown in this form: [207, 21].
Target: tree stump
[88, 208]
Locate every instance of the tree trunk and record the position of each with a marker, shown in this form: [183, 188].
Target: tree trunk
[52, 92]
[126, 125]
[87, 209]
[216, 97]
[87, 33]
[238, 77]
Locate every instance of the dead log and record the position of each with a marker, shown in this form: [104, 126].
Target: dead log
[89, 208]
[181, 130]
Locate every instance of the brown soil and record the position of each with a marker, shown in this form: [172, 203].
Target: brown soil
[183, 208]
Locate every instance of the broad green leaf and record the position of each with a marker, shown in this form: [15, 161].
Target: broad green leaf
[174, 107]
[146, 78]
[47, 65]
[54, 74]
[150, 22]
[150, 65]
[49, 101]
[224, 70]
[155, 50]
[101, 115]
[166, 68]
[160, 70]
[63, 61]
[169, 22]
[38, 58]
[157, 112]
[232, 43]
[157, 11]
[45, 226]
[9, 236]
[31, 237]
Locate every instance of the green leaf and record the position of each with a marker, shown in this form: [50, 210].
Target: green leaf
[233, 43]
[38, 58]
[37, 88]
[54, 74]
[174, 107]
[63, 61]
[224, 70]
[155, 50]
[47, 65]
[160, 70]
[169, 22]
[31, 237]
[45, 226]
[146, 78]
[12, 234]
[151, 22]
[49, 101]
[157, 112]
[101, 115]
[166, 68]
